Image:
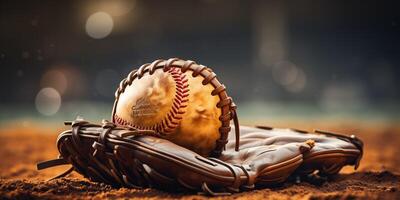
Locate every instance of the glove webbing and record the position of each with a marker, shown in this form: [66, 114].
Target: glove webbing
[80, 164]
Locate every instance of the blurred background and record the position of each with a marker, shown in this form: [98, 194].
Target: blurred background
[281, 60]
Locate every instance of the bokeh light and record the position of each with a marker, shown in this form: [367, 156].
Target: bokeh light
[290, 76]
[48, 101]
[117, 7]
[55, 79]
[284, 72]
[99, 25]
[26, 55]
[299, 83]
[20, 73]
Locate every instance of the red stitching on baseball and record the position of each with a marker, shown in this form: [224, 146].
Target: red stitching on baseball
[171, 121]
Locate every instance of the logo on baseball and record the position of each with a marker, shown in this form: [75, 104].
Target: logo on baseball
[143, 108]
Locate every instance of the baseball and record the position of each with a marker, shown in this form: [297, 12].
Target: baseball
[181, 100]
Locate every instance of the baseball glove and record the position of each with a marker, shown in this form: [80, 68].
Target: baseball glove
[129, 157]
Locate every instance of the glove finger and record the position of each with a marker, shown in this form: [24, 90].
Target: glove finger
[330, 155]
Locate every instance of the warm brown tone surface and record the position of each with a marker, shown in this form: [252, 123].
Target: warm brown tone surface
[377, 177]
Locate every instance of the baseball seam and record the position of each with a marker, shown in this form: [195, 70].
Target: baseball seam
[172, 119]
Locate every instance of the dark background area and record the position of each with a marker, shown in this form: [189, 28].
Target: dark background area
[290, 57]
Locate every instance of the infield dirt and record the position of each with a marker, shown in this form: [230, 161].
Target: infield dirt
[378, 176]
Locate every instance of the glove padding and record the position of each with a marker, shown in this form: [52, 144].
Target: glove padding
[127, 157]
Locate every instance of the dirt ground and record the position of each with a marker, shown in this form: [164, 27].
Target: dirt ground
[378, 176]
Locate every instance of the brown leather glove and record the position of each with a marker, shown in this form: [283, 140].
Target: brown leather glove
[128, 157]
